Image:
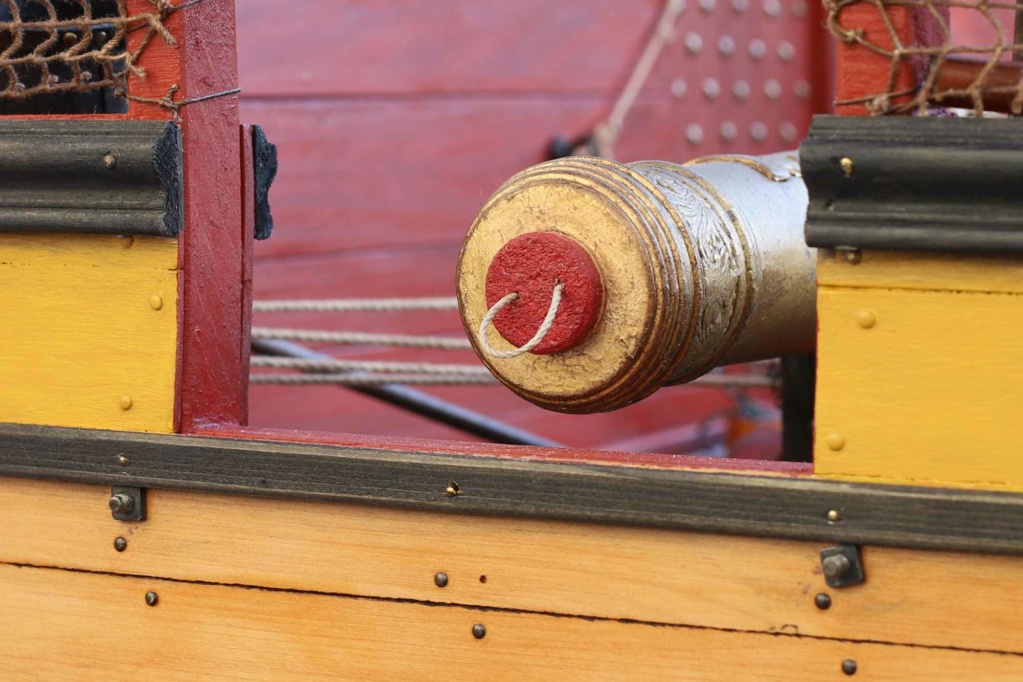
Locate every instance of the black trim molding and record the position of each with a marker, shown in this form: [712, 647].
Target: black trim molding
[93, 177]
[907, 183]
[769, 506]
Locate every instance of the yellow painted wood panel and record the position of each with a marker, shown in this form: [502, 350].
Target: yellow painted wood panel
[929, 392]
[749, 584]
[926, 271]
[88, 331]
[59, 625]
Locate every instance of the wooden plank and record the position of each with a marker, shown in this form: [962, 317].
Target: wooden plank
[89, 332]
[692, 579]
[683, 499]
[212, 632]
[925, 392]
[213, 371]
[345, 47]
[921, 271]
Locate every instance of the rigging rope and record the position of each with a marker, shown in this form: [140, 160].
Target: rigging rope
[336, 366]
[374, 305]
[362, 338]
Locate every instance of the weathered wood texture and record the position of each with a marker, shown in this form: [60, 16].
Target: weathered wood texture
[49, 627]
[692, 579]
[88, 331]
[685, 499]
[395, 121]
[919, 381]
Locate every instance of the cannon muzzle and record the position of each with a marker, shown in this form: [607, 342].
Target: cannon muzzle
[585, 285]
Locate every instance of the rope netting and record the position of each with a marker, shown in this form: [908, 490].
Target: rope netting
[945, 68]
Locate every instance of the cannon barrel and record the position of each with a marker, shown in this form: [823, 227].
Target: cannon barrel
[585, 284]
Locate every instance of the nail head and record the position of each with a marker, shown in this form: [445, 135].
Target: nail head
[152, 598]
[479, 631]
[822, 601]
[441, 579]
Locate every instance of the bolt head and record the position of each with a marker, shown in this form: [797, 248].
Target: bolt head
[152, 598]
[123, 461]
[441, 579]
[836, 566]
[479, 631]
[120, 544]
[853, 257]
[866, 319]
[849, 666]
[110, 161]
[121, 503]
[834, 516]
[822, 601]
[847, 166]
[836, 441]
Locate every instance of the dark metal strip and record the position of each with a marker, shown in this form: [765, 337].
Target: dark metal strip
[264, 160]
[909, 183]
[713, 502]
[93, 177]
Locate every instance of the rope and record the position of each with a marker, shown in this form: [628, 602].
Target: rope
[374, 305]
[372, 380]
[310, 336]
[335, 366]
[606, 133]
[440, 379]
[537, 339]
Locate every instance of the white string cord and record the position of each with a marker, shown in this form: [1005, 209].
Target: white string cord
[361, 338]
[372, 379]
[537, 339]
[374, 305]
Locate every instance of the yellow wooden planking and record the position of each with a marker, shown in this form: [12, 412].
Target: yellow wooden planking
[747, 584]
[59, 625]
[81, 337]
[928, 395]
[932, 272]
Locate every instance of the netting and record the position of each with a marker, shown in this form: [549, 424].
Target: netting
[945, 67]
[61, 46]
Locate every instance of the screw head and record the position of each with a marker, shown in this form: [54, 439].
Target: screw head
[847, 166]
[834, 516]
[479, 631]
[849, 666]
[441, 579]
[156, 302]
[152, 598]
[453, 489]
[866, 319]
[120, 544]
[853, 256]
[836, 566]
[822, 601]
[121, 503]
[125, 402]
[110, 161]
[123, 461]
[836, 441]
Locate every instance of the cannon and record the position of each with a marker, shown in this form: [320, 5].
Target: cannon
[585, 284]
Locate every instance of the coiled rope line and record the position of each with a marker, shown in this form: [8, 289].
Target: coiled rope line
[375, 373]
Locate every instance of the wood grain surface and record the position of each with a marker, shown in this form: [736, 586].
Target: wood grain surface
[51, 627]
[702, 580]
[926, 393]
[89, 331]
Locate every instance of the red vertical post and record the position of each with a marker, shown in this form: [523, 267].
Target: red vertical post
[212, 372]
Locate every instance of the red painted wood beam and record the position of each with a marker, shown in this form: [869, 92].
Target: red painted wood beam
[212, 367]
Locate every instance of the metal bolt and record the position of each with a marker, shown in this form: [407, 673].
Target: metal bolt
[441, 579]
[836, 566]
[849, 666]
[834, 516]
[853, 256]
[152, 598]
[70, 39]
[123, 461]
[121, 503]
[110, 161]
[479, 631]
[836, 441]
[866, 319]
[120, 544]
[156, 302]
[453, 489]
[125, 402]
[822, 601]
[847, 166]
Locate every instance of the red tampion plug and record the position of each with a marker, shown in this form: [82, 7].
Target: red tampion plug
[531, 265]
